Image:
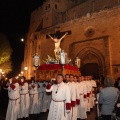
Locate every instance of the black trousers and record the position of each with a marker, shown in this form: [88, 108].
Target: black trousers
[106, 117]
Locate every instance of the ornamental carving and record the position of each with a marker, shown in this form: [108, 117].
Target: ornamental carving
[89, 32]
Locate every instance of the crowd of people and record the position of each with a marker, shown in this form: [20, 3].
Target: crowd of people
[66, 97]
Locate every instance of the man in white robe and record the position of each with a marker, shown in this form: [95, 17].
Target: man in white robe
[60, 104]
[83, 99]
[45, 100]
[24, 99]
[89, 90]
[73, 98]
[77, 97]
[14, 101]
[41, 93]
[34, 104]
[93, 93]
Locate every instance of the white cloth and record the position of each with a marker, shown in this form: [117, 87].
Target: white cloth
[49, 98]
[89, 90]
[93, 94]
[34, 104]
[45, 100]
[75, 109]
[70, 116]
[24, 100]
[14, 102]
[60, 96]
[40, 98]
[82, 109]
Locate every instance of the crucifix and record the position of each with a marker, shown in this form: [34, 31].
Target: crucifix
[57, 38]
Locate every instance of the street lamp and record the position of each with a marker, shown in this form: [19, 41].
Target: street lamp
[35, 63]
[0, 74]
[77, 62]
[25, 68]
[22, 73]
[36, 60]
[22, 40]
[3, 73]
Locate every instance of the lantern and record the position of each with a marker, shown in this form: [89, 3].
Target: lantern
[77, 62]
[36, 60]
[62, 57]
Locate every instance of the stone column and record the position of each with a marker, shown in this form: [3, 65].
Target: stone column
[108, 65]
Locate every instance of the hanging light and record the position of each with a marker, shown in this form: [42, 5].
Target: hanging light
[77, 62]
[36, 60]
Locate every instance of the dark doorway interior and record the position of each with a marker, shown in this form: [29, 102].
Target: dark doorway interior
[90, 69]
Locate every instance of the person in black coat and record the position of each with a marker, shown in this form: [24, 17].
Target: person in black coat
[117, 105]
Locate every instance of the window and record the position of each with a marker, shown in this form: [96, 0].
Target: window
[39, 47]
[48, 5]
[55, 6]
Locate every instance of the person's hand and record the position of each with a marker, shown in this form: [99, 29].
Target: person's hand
[8, 84]
[118, 105]
[67, 111]
[66, 33]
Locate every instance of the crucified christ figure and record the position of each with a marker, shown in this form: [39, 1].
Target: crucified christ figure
[57, 42]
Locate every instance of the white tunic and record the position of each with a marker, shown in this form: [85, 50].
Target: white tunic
[75, 109]
[41, 93]
[45, 100]
[89, 90]
[14, 102]
[73, 100]
[24, 100]
[82, 107]
[34, 104]
[93, 93]
[60, 99]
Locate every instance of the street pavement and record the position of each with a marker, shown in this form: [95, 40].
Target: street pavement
[43, 116]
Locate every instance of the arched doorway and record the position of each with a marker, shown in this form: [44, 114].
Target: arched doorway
[90, 69]
[92, 61]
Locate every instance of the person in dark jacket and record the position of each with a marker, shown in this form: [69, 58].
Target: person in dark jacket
[107, 98]
[117, 105]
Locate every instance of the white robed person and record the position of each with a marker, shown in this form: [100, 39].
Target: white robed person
[45, 100]
[24, 99]
[77, 98]
[34, 103]
[82, 109]
[14, 101]
[71, 115]
[61, 103]
[40, 98]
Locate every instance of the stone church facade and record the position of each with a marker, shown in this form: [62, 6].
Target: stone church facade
[94, 34]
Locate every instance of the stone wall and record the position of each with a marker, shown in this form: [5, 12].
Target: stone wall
[95, 39]
[89, 6]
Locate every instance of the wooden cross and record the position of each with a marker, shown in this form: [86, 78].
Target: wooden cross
[58, 34]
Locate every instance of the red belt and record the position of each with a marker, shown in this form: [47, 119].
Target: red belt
[14, 99]
[34, 94]
[24, 97]
[60, 101]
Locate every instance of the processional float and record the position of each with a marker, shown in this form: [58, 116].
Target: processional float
[60, 65]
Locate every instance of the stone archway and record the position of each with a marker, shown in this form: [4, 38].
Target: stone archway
[91, 59]
[90, 69]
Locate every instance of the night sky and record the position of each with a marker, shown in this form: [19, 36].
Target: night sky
[14, 23]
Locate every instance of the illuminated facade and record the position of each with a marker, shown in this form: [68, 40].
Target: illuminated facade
[94, 27]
